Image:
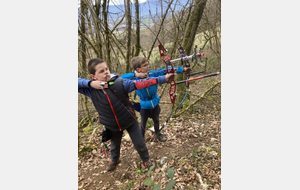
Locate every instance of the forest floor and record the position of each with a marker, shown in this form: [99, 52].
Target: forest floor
[192, 150]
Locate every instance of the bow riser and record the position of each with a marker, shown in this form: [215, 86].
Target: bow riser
[166, 59]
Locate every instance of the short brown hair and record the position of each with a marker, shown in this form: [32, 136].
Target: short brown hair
[92, 64]
[136, 62]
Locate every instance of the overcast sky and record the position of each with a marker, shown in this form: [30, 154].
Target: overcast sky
[121, 2]
[117, 2]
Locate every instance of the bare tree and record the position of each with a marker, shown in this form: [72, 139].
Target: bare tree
[107, 33]
[192, 25]
[179, 21]
[137, 33]
[82, 28]
[189, 37]
[128, 30]
[83, 8]
[162, 21]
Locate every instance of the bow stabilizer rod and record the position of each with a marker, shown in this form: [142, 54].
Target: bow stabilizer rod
[187, 57]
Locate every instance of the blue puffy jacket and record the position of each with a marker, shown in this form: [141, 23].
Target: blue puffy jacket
[148, 96]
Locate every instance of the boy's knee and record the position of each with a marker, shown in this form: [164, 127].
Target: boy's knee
[115, 147]
[142, 147]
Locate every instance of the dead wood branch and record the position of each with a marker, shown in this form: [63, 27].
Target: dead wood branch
[89, 41]
[200, 98]
[162, 21]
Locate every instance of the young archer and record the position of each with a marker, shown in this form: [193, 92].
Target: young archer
[149, 100]
[109, 94]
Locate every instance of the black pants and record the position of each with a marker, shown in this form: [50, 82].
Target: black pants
[137, 140]
[154, 115]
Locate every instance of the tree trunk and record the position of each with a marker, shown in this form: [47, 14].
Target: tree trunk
[107, 34]
[188, 41]
[128, 30]
[82, 39]
[137, 34]
[192, 25]
[96, 31]
[84, 51]
[161, 15]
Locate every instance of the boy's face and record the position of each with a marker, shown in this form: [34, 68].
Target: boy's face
[102, 72]
[144, 68]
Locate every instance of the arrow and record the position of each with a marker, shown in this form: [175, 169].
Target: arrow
[197, 78]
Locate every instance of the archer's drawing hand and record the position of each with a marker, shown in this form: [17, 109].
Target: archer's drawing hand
[187, 69]
[97, 84]
[170, 76]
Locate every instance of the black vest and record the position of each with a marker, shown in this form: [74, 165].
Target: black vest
[119, 100]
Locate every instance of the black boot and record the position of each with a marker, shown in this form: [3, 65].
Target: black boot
[160, 137]
[112, 165]
[148, 164]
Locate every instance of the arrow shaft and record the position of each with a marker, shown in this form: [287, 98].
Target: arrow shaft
[191, 74]
[197, 78]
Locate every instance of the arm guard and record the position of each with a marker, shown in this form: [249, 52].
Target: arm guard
[145, 83]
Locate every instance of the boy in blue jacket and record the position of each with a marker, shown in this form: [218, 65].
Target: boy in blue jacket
[149, 100]
[109, 94]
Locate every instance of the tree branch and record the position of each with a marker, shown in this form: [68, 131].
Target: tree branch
[200, 98]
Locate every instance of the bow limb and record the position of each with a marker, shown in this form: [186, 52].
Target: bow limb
[172, 91]
[185, 63]
[166, 59]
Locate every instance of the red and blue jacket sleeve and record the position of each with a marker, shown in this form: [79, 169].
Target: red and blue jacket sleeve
[130, 85]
